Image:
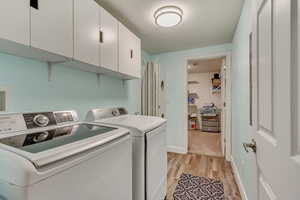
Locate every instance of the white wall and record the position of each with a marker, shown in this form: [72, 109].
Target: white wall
[241, 130]
[204, 89]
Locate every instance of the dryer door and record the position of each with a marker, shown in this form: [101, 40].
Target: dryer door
[156, 158]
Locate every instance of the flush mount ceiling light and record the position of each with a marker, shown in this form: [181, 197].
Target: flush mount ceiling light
[168, 16]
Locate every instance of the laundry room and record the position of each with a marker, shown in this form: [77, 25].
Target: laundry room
[149, 99]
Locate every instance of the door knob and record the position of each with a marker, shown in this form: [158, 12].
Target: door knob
[251, 146]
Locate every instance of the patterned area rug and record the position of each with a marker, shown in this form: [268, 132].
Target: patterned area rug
[198, 188]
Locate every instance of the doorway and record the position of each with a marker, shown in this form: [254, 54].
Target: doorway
[207, 110]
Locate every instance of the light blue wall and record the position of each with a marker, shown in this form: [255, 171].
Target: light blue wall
[174, 72]
[241, 131]
[29, 90]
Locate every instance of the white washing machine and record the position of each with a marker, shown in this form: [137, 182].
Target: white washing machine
[52, 156]
[149, 150]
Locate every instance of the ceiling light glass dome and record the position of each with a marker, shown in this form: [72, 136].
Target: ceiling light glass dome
[168, 16]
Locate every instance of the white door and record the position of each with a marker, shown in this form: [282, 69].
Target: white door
[52, 26]
[14, 21]
[87, 31]
[109, 41]
[276, 102]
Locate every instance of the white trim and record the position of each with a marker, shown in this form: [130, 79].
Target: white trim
[175, 149]
[238, 180]
[229, 108]
[227, 55]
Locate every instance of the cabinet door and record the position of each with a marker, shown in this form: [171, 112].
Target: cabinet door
[52, 26]
[136, 56]
[124, 50]
[86, 31]
[109, 41]
[129, 52]
[14, 21]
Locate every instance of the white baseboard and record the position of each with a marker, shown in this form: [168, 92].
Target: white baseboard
[238, 180]
[175, 149]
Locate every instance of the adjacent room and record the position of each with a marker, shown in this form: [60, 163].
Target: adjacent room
[205, 106]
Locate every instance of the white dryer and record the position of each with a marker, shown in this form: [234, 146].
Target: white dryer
[149, 149]
[52, 156]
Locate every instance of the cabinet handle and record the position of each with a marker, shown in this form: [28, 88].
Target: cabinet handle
[101, 36]
[131, 53]
[34, 4]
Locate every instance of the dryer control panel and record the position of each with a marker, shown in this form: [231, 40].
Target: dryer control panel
[118, 111]
[98, 114]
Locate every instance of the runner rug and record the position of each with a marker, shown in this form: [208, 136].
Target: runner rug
[191, 187]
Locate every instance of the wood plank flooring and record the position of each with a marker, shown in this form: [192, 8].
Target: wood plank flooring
[201, 165]
[204, 143]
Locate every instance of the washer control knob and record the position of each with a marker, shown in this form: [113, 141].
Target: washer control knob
[41, 120]
[40, 137]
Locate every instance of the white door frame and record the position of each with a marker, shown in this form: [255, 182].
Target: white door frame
[227, 55]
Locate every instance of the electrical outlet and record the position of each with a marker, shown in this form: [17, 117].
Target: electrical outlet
[2, 101]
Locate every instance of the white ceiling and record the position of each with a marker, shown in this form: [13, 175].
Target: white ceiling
[205, 65]
[205, 22]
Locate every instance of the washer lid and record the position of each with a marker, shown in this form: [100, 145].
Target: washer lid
[142, 123]
[46, 147]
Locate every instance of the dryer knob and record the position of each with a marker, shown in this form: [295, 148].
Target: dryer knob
[41, 120]
[115, 113]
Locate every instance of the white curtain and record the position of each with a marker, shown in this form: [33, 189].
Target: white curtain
[150, 89]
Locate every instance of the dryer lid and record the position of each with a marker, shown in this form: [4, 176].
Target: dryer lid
[143, 124]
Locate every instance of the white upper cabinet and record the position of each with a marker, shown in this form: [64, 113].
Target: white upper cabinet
[14, 21]
[61, 30]
[52, 26]
[129, 52]
[136, 56]
[87, 31]
[109, 41]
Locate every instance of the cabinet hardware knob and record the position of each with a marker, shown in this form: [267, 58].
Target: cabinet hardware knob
[101, 37]
[34, 4]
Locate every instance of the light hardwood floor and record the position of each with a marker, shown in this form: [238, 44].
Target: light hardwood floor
[204, 143]
[201, 165]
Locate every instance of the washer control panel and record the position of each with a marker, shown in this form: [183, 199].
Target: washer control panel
[14, 122]
[11, 123]
[35, 120]
[63, 117]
